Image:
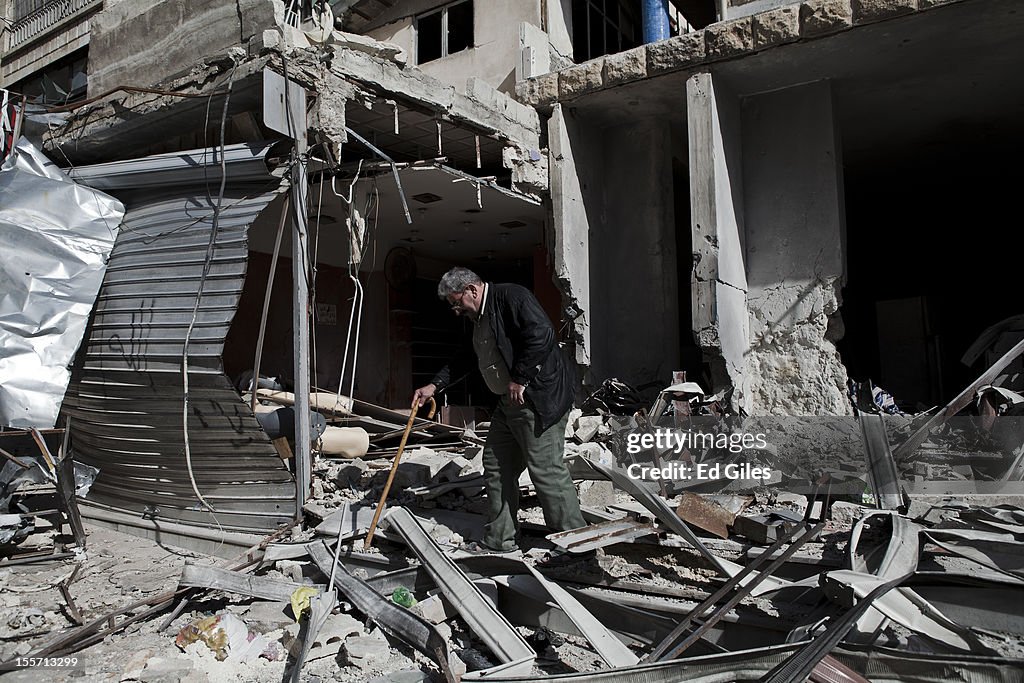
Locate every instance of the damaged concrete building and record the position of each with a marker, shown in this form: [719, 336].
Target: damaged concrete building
[774, 197]
[768, 184]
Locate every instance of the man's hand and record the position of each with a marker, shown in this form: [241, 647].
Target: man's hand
[515, 392]
[423, 394]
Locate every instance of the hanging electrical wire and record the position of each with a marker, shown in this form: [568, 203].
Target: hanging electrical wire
[207, 264]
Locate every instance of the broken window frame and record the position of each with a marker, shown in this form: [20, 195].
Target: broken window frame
[445, 32]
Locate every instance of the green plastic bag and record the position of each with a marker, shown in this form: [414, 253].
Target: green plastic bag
[403, 596]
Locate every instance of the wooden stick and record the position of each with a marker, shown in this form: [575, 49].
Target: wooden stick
[394, 468]
[19, 463]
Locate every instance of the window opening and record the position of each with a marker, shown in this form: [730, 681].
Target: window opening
[444, 31]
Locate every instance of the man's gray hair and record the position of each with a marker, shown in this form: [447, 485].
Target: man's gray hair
[456, 280]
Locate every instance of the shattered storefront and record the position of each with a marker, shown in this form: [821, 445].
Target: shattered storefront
[827, 548]
[400, 189]
[153, 349]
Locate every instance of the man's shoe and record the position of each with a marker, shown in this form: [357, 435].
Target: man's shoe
[477, 548]
[556, 559]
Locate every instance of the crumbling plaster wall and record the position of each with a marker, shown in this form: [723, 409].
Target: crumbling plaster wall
[147, 42]
[496, 37]
[795, 252]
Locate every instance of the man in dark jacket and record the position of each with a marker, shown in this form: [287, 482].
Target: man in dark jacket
[518, 356]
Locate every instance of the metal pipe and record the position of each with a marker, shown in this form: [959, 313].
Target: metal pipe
[655, 17]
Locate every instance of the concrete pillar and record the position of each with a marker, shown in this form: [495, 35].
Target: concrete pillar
[570, 223]
[795, 251]
[718, 283]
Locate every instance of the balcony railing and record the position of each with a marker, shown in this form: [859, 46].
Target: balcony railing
[47, 17]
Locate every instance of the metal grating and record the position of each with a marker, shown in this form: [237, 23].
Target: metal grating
[125, 397]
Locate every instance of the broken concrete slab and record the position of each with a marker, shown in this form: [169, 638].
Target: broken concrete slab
[366, 652]
[265, 616]
[596, 493]
[540, 91]
[348, 521]
[587, 427]
[387, 78]
[423, 466]
[374, 48]
[166, 670]
[442, 523]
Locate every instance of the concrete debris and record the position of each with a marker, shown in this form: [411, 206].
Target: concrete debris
[766, 528]
[725, 541]
[424, 466]
[366, 652]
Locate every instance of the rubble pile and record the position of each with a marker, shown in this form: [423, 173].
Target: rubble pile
[792, 566]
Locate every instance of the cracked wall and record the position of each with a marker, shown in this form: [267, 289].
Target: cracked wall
[146, 42]
[794, 252]
[718, 282]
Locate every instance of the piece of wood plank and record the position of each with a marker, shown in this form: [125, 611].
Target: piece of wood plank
[282, 447]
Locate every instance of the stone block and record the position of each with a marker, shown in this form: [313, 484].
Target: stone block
[928, 4]
[541, 91]
[844, 513]
[865, 11]
[624, 67]
[597, 494]
[422, 466]
[165, 670]
[728, 38]
[676, 53]
[580, 79]
[777, 26]
[818, 17]
[351, 473]
[587, 427]
[264, 616]
[433, 609]
[367, 652]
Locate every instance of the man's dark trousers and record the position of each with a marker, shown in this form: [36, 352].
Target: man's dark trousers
[511, 447]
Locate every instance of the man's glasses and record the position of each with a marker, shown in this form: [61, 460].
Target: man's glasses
[455, 301]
